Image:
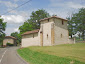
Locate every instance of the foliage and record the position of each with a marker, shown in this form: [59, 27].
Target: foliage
[36, 16]
[18, 36]
[25, 27]
[79, 19]
[33, 22]
[1, 39]
[60, 54]
[2, 29]
[76, 23]
[2, 25]
[9, 44]
[70, 26]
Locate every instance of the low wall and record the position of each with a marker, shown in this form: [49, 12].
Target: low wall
[71, 41]
[80, 41]
[30, 40]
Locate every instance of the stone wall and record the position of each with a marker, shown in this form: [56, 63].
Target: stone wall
[61, 32]
[46, 32]
[8, 40]
[30, 40]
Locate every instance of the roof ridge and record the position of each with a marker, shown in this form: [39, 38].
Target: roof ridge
[10, 37]
[30, 32]
[53, 17]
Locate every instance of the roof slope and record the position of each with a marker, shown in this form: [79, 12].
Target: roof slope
[31, 32]
[10, 37]
[53, 17]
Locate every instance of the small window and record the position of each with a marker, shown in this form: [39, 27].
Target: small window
[62, 22]
[33, 35]
[61, 35]
[47, 36]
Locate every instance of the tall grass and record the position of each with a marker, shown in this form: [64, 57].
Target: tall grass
[38, 55]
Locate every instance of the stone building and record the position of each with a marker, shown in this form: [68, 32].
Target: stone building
[53, 31]
[9, 39]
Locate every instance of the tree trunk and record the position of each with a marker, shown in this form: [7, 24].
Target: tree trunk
[83, 35]
[79, 36]
[71, 36]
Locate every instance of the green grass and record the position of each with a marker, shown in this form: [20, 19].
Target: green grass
[60, 54]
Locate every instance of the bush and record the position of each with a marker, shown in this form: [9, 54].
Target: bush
[9, 44]
[1, 44]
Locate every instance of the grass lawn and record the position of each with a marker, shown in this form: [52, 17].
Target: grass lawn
[60, 54]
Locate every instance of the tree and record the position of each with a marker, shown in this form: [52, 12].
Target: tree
[2, 29]
[2, 26]
[25, 27]
[71, 26]
[79, 19]
[33, 22]
[36, 16]
[76, 23]
[18, 36]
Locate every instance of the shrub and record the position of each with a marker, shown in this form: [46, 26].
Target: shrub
[9, 44]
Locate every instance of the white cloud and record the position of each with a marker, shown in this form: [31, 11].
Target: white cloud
[71, 4]
[74, 5]
[18, 0]
[22, 13]
[25, 13]
[10, 28]
[16, 29]
[12, 11]
[59, 12]
[9, 31]
[8, 4]
[13, 18]
[13, 22]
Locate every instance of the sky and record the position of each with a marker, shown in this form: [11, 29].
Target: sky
[15, 18]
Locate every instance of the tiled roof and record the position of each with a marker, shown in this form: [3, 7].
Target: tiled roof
[31, 32]
[10, 37]
[53, 17]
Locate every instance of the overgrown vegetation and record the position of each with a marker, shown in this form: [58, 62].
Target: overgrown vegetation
[17, 36]
[2, 29]
[76, 23]
[9, 44]
[60, 54]
[31, 24]
[34, 23]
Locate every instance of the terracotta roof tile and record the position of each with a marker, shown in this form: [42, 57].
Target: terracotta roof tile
[53, 17]
[30, 32]
[10, 37]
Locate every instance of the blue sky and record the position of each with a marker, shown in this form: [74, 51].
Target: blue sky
[62, 8]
